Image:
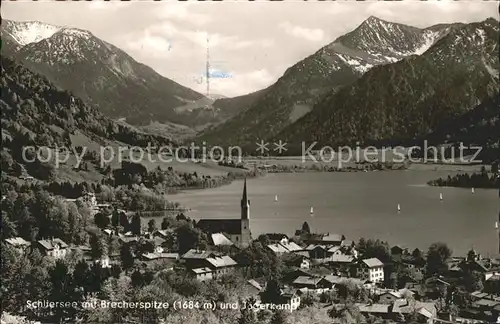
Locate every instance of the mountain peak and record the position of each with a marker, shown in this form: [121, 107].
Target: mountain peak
[27, 32]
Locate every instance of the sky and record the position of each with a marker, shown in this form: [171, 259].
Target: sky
[251, 43]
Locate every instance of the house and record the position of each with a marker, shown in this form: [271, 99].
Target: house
[291, 246]
[326, 239]
[335, 250]
[299, 261]
[371, 269]
[202, 274]
[197, 258]
[254, 287]
[159, 255]
[277, 248]
[342, 259]
[55, 248]
[317, 251]
[390, 297]
[426, 311]
[312, 283]
[221, 265]
[237, 230]
[290, 296]
[415, 265]
[291, 276]
[103, 262]
[492, 284]
[128, 240]
[18, 243]
[164, 233]
[277, 238]
[378, 310]
[89, 199]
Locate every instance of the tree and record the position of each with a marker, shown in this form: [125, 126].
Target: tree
[306, 228]
[279, 317]
[135, 226]
[152, 226]
[126, 257]
[98, 246]
[416, 253]
[272, 293]
[436, 258]
[165, 223]
[264, 240]
[247, 316]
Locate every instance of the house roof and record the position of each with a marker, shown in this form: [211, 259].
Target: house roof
[332, 237]
[219, 239]
[198, 254]
[487, 302]
[303, 280]
[373, 263]
[276, 236]
[334, 249]
[154, 256]
[333, 279]
[342, 258]
[228, 226]
[374, 308]
[291, 246]
[221, 262]
[346, 243]
[53, 243]
[17, 241]
[128, 239]
[399, 293]
[277, 248]
[254, 284]
[201, 270]
[402, 306]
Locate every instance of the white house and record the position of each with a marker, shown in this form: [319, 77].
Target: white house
[372, 270]
[55, 248]
[18, 243]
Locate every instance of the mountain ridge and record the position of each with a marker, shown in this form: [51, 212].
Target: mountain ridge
[108, 77]
[329, 69]
[448, 80]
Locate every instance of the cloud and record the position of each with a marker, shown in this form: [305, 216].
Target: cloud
[179, 11]
[111, 5]
[239, 84]
[153, 45]
[314, 35]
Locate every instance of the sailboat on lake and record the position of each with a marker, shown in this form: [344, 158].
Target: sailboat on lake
[399, 208]
[276, 198]
[440, 196]
[472, 190]
[312, 211]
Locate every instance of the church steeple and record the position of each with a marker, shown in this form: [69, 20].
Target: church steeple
[245, 203]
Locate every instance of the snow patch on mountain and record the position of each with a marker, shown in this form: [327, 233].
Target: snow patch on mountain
[429, 38]
[28, 32]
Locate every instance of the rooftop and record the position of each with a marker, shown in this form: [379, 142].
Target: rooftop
[17, 241]
[51, 244]
[220, 239]
[198, 254]
[221, 262]
[201, 270]
[373, 263]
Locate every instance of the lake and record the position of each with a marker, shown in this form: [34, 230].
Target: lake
[361, 204]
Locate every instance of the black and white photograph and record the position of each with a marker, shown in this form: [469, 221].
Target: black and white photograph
[250, 162]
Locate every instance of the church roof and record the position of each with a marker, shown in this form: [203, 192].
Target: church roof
[228, 226]
[220, 239]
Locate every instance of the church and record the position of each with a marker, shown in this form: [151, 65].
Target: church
[237, 230]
